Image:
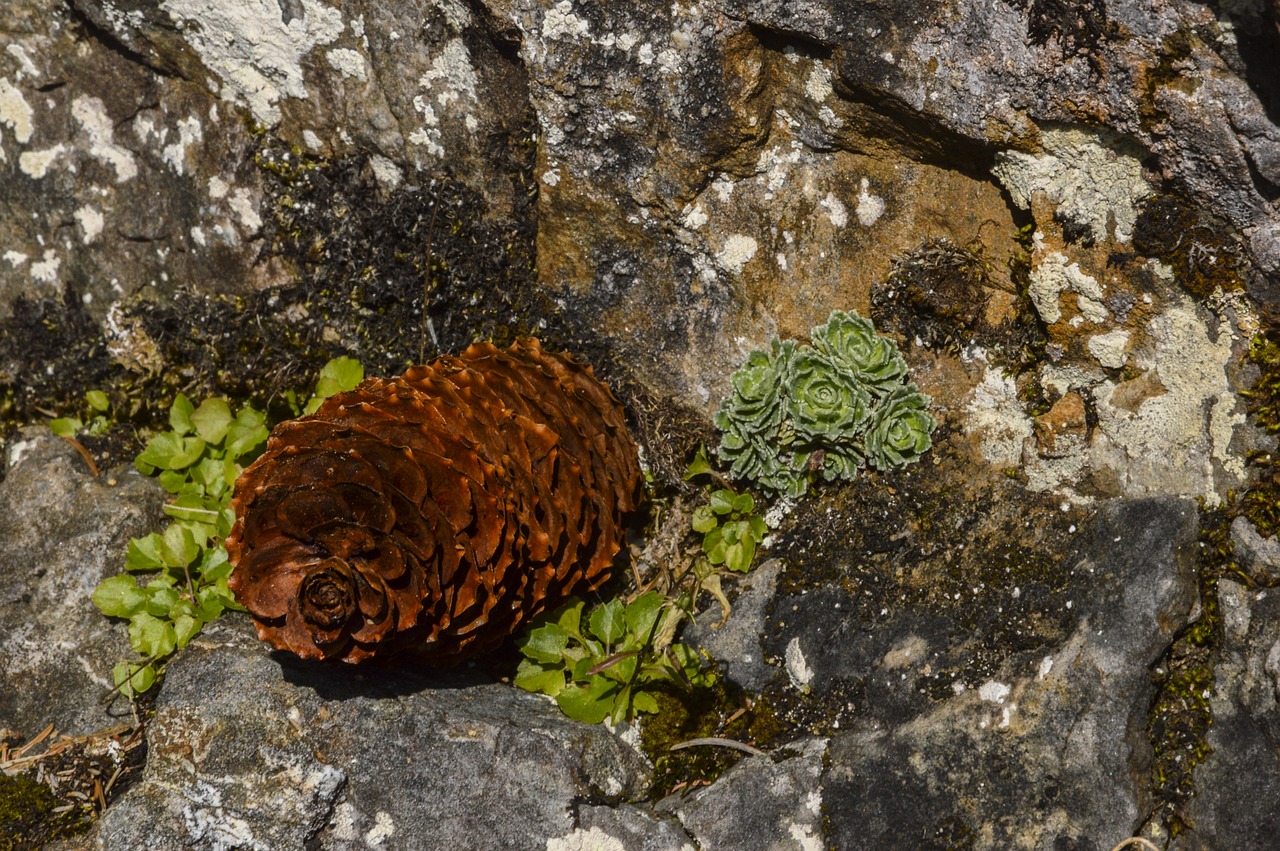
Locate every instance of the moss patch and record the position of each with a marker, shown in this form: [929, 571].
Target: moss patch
[932, 539]
[937, 296]
[1180, 715]
[1200, 250]
[29, 817]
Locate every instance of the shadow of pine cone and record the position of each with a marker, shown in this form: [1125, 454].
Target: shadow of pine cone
[440, 510]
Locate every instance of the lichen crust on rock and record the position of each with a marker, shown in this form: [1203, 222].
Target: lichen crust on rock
[439, 510]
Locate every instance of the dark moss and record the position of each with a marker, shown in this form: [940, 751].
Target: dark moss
[387, 277]
[29, 817]
[937, 294]
[1180, 715]
[931, 543]
[685, 715]
[1200, 249]
[1078, 27]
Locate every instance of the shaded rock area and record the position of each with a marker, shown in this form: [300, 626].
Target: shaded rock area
[1051, 747]
[1064, 214]
[63, 531]
[1239, 778]
[761, 803]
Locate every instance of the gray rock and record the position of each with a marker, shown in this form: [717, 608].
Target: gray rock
[1235, 801]
[634, 828]
[63, 531]
[250, 749]
[1052, 748]
[1260, 555]
[761, 804]
[736, 645]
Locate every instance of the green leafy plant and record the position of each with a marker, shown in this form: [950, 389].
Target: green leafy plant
[184, 567]
[607, 662]
[98, 406]
[730, 529]
[828, 409]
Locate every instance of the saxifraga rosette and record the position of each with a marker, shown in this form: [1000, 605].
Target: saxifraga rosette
[439, 510]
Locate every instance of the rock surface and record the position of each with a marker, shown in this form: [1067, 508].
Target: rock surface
[63, 531]
[248, 750]
[1064, 213]
[1045, 745]
[761, 803]
[1235, 803]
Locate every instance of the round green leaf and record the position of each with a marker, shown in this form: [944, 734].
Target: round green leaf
[98, 401]
[590, 703]
[65, 426]
[132, 680]
[180, 415]
[703, 519]
[545, 644]
[212, 419]
[607, 622]
[151, 636]
[119, 596]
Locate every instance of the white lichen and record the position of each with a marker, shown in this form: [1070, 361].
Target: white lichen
[993, 691]
[1052, 276]
[797, 666]
[388, 174]
[45, 270]
[1092, 176]
[997, 419]
[818, 84]
[737, 252]
[252, 50]
[175, 154]
[836, 211]
[383, 829]
[1167, 445]
[560, 22]
[35, 164]
[91, 114]
[91, 223]
[1110, 348]
[594, 839]
[349, 63]
[15, 112]
[870, 207]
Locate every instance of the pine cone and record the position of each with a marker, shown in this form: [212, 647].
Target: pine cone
[439, 510]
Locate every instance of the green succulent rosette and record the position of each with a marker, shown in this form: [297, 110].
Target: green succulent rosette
[826, 403]
[753, 414]
[851, 341]
[843, 461]
[759, 386]
[901, 428]
[798, 413]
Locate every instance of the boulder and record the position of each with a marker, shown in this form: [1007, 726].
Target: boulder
[64, 531]
[250, 749]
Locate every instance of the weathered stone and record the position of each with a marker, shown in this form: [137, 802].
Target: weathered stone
[63, 531]
[254, 750]
[116, 179]
[1050, 744]
[1235, 801]
[622, 828]
[1260, 555]
[760, 804]
[735, 644]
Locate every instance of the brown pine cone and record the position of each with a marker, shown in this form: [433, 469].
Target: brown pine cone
[439, 510]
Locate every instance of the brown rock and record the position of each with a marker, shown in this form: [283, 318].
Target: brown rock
[1065, 418]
